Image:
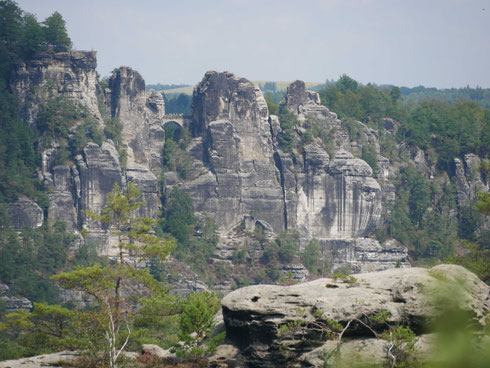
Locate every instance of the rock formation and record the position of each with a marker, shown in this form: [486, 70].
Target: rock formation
[25, 213]
[11, 302]
[240, 177]
[239, 172]
[254, 315]
[140, 115]
[51, 74]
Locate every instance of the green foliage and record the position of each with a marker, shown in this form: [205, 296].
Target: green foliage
[175, 158]
[401, 347]
[287, 137]
[382, 316]
[273, 107]
[32, 36]
[177, 103]
[483, 203]
[469, 222]
[312, 259]
[475, 258]
[114, 309]
[288, 242]
[55, 32]
[421, 216]
[29, 260]
[196, 324]
[113, 130]
[348, 279]
[418, 94]
[370, 156]
[178, 212]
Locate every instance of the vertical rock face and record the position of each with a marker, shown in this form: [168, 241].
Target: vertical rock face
[247, 178]
[99, 169]
[140, 114]
[231, 115]
[305, 103]
[25, 213]
[328, 198]
[468, 178]
[69, 73]
[63, 198]
[240, 174]
[85, 184]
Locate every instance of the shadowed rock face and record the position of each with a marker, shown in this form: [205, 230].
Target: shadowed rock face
[25, 213]
[85, 184]
[253, 315]
[322, 197]
[140, 115]
[71, 73]
[231, 116]
[239, 170]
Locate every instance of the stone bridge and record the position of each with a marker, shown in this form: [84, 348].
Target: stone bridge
[180, 119]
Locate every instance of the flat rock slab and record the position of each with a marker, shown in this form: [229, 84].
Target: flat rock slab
[41, 361]
[254, 315]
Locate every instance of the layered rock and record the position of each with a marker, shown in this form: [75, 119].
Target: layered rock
[254, 315]
[240, 177]
[11, 303]
[140, 114]
[469, 181]
[306, 104]
[25, 213]
[48, 74]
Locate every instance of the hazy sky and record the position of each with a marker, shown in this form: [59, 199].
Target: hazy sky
[440, 43]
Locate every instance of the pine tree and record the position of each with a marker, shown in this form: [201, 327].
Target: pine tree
[108, 285]
[55, 32]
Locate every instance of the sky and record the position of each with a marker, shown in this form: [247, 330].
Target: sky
[434, 43]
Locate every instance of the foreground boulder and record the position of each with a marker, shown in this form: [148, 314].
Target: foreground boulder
[274, 325]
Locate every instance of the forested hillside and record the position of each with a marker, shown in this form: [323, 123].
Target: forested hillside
[108, 202]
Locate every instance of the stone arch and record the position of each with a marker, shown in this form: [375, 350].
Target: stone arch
[176, 128]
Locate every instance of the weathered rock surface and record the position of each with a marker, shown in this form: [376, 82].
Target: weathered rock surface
[43, 361]
[156, 351]
[306, 104]
[140, 114]
[69, 73]
[25, 213]
[231, 116]
[367, 255]
[468, 178]
[13, 302]
[254, 314]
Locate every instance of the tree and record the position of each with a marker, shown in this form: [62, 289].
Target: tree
[197, 322]
[55, 32]
[346, 83]
[178, 211]
[32, 36]
[109, 285]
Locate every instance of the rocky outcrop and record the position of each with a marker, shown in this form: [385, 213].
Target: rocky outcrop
[366, 255]
[306, 104]
[10, 302]
[140, 114]
[54, 73]
[469, 181]
[240, 176]
[25, 213]
[44, 361]
[254, 315]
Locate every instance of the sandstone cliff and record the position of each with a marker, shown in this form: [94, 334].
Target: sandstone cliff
[239, 172]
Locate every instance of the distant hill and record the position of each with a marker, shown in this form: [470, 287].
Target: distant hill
[166, 87]
[265, 86]
[478, 94]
